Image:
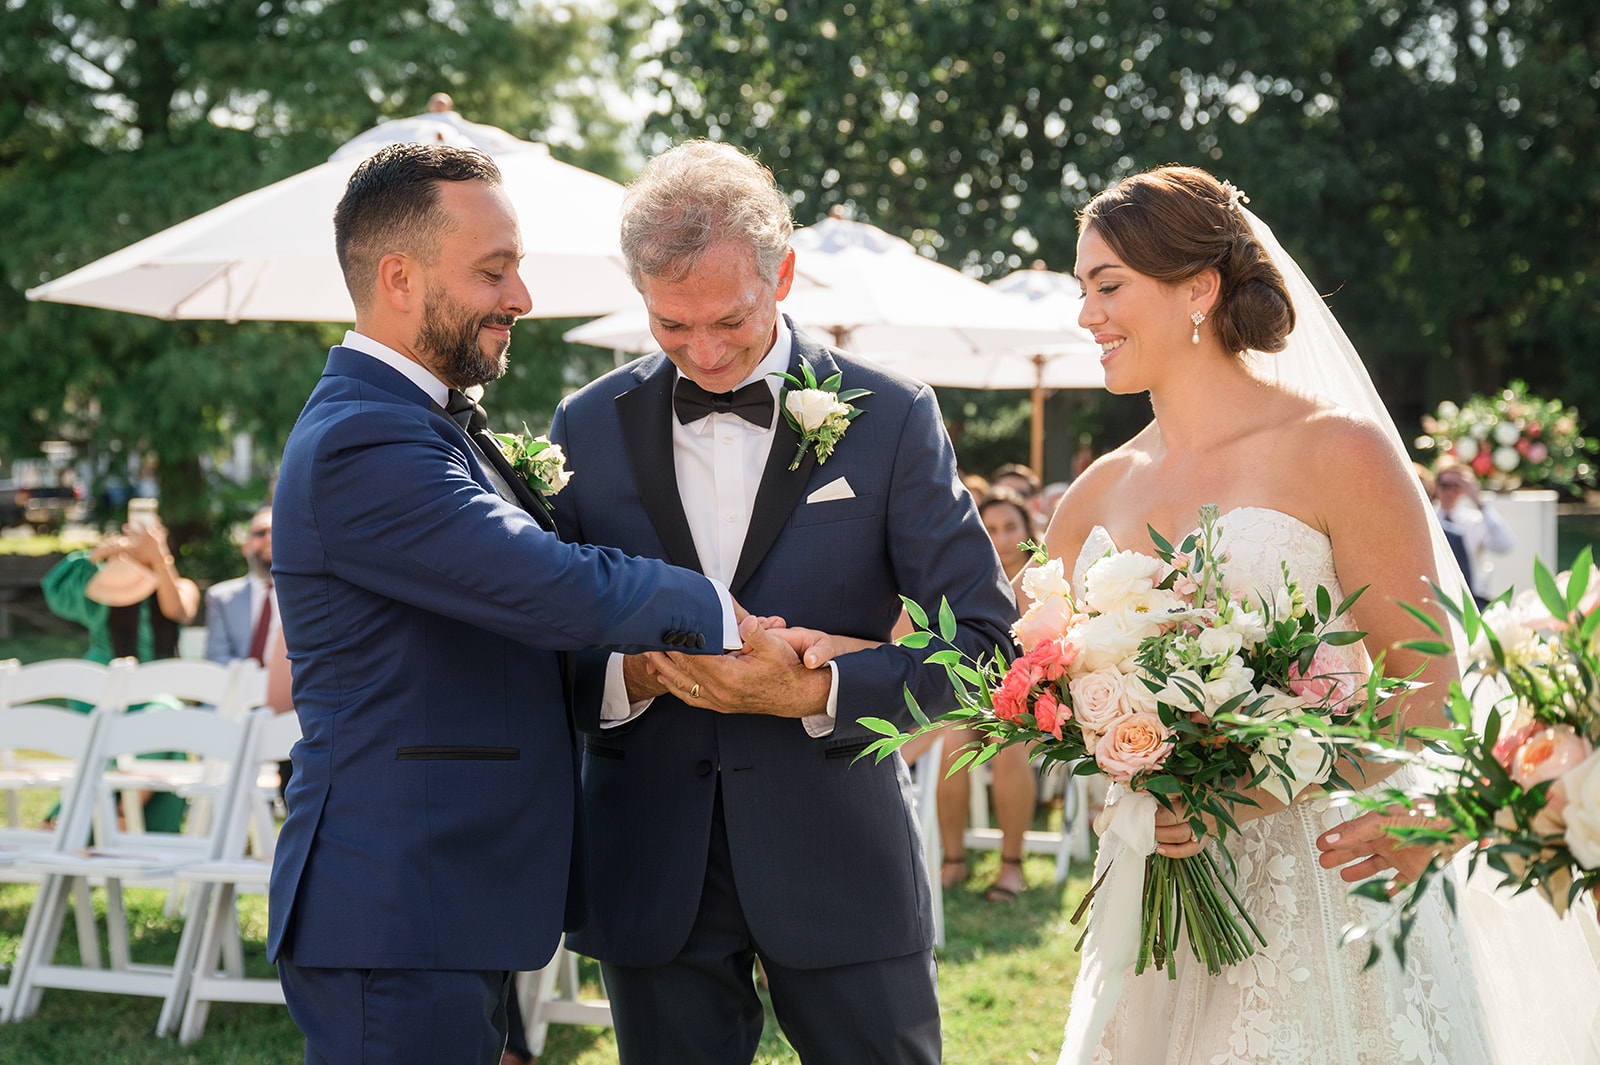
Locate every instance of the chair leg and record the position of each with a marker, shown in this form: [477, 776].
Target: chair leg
[538, 1027]
[219, 919]
[116, 925]
[83, 914]
[183, 966]
[40, 935]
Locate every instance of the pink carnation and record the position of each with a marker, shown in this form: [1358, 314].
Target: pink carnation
[1053, 657]
[1050, 714]
[1011, 698]
[1133, 744]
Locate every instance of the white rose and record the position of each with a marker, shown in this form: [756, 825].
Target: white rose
[1107, 641]
[1506, 434]
[812, 407]
[1582, 811]
[1466, 449]
[1117, 577]
[1307, 763]
[1041, 582]
[1220, 643]
[1139, 697]
[1506, 459]
[1098, 699]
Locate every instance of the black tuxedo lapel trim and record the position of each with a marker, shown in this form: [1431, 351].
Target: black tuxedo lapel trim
[781, 488]
[487, 450]
[645, 414]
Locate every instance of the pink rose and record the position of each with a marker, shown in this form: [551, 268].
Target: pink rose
[1549, 754]
[1537, 452]
[1099, 698]
[1134, 744]
[1508, 743]
[1049, 714]
[1045, 619]
[1328, 684]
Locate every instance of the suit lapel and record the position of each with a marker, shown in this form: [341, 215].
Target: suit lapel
[645, 414]
[781, 488]
[488, 451]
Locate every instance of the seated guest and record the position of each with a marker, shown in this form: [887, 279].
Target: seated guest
[1471, 523]
[1018, 478]
[241, 613]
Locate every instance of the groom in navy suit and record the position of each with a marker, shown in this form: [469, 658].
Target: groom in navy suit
[425, 602]
[726, 818]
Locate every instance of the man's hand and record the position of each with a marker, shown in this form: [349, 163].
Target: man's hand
[640, 680]
[817, 649]
[1364, 842]
[765, 677]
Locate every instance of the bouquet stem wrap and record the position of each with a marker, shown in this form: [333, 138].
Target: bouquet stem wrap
[1114, 925]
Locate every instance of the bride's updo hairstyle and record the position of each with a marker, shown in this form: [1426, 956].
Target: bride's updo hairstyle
[1171, 223]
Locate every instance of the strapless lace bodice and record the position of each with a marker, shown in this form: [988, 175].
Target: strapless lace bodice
[1304, 998]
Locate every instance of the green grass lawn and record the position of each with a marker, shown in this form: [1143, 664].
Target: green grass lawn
[1004, 980]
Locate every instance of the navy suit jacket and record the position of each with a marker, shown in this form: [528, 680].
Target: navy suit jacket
[825, 849]
[431, 809]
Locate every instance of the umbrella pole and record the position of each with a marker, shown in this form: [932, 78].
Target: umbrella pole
[1036, 444]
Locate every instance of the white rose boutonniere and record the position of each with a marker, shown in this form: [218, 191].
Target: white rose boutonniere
[819, 413]
[536, 460]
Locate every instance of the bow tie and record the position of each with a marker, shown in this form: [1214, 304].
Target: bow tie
[465, 412]
[753, 402]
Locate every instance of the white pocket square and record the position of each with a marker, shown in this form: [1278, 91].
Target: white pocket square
[836, 489]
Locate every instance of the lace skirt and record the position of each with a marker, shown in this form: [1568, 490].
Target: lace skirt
[1304, 999]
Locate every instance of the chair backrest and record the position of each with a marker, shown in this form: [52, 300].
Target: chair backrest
[181, 678]
[66, 678]
[66, 734]
[271, 737]
[219, 742]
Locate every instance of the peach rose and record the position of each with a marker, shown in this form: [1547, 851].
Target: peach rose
[1509, 743]
[1099, 699]
[1549, 754]
[1134, 744]
[1045, 619]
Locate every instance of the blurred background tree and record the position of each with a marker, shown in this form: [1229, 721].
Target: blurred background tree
[119, 119]
[1434, 164]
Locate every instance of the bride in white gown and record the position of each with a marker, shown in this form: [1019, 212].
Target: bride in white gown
[1184, 290]
[1176, 290]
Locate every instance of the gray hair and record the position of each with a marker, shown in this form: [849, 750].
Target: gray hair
[694, 197]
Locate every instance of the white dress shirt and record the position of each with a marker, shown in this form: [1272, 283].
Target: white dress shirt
[719, 460]
[439, 392]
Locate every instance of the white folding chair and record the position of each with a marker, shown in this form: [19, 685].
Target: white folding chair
[215, 954]
[550, 996]
[54, 680]
[1071, 842]
[69, 736]
[118, 857]
[926, 771]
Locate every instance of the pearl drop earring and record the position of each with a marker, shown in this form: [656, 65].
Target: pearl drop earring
[1197, 317]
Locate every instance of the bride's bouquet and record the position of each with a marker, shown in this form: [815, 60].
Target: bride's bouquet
[1526, 786]
[1182, 690]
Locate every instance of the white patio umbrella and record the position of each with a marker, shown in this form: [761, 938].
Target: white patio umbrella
[269, 256]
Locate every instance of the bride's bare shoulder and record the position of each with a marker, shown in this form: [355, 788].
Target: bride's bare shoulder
[1084, 505]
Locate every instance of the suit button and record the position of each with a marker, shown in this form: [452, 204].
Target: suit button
[670, 638]
[702, 768]
[699, 639]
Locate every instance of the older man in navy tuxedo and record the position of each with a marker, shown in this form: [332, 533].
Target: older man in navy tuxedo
[726, 816]
[426, 603]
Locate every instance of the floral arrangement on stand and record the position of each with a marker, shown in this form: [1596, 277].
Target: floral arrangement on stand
[1525, 786]
[1512, 440]
[1182, 691]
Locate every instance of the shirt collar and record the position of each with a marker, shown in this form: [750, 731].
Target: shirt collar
[414, 372]
[776, 361]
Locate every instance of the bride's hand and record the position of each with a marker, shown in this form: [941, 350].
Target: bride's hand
[816, 649]
[1175, 837]
[1364, 842]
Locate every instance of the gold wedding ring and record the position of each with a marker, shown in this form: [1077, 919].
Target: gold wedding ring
[694, 692]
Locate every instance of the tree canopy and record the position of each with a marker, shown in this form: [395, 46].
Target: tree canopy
[119, 119]
[1434, 164]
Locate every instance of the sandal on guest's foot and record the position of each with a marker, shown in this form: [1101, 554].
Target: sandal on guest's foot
[953, 872]
[998, 891]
